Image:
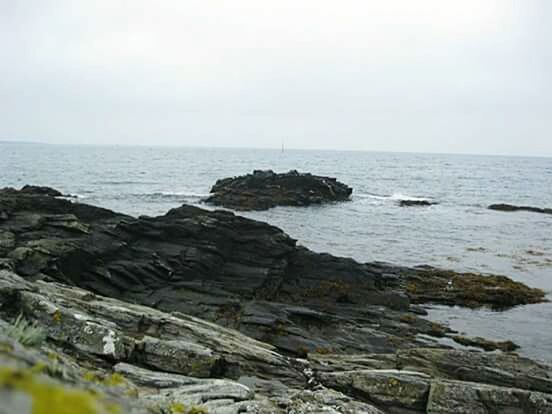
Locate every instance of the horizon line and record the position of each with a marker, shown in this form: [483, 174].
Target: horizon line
[279, 149]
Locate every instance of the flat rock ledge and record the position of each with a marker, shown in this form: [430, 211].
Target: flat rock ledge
[511, 208]
[266, 189]
[202, 311]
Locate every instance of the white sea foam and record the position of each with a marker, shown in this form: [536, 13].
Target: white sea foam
[392, 197]
[400, 197]
[181, 194]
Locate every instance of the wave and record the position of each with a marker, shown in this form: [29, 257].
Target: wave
[401, 197]
[123, 182]
[371, 196]
[151, 197]
[73, 197]
[171, 195]
[392, 197]
[182, 194]
[78, 196]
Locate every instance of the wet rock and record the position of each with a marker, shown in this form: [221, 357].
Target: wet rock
[416, 203]
[487, 345]
[426, 284]
[40, 190]
[511, 208]
[265, 189]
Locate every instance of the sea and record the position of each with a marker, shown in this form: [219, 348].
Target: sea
[458, 233]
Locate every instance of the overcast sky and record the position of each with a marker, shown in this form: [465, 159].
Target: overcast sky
[431, 76]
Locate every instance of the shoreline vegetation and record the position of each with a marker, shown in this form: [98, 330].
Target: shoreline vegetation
[199, 311]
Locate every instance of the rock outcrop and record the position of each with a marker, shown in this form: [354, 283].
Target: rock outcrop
[510, 208]
[416, 203]
[240, 273]
[102, 355]
[265, 189]
[205, 311]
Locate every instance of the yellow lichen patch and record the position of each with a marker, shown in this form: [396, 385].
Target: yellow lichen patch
[132, 393]
[38, 368]
[437, 330]
[57, 316]
[114, 380]
[90, 376]
[411, 288]
[408, 318]
[197, 410]
[303, 351]
[6, 348]
[330, 288]
[177, 408]
[323, 351]
[50, 398]
[393, 382]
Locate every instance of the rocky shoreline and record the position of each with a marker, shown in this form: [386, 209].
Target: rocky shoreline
[206, 310]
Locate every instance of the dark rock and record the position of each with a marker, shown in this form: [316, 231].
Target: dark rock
[416, 203]
[305, 332]
[265, 189]
[487, 345]
[34, 189]
[237, 272]
[510, 208]
[426, 284]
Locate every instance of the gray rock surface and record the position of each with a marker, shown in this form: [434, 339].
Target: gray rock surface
[168, 360]
[448, 397]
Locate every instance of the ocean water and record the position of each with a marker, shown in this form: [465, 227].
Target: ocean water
[459, 233]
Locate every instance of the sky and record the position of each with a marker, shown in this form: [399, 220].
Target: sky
[466, 76]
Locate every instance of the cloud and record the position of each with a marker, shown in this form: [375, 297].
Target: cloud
[465, 76]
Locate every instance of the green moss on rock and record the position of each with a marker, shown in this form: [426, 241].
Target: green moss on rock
[48, 397]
